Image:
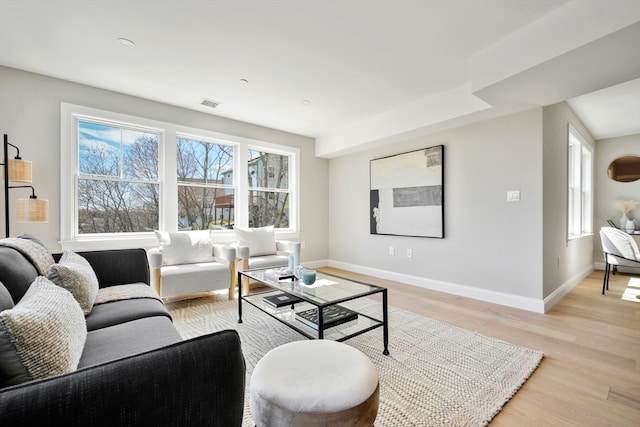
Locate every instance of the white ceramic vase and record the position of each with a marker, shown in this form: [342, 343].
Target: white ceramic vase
[630, 226]
[623, 221]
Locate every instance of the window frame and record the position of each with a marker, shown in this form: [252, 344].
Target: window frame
[580, 170]
[167, 176]
[271, 190]
[107, 178]
[218, 186]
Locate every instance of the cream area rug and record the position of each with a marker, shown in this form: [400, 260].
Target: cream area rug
[436, 375]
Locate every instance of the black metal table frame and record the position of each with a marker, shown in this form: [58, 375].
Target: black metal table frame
[384, 323]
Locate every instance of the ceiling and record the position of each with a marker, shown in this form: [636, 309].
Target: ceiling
[348, 73]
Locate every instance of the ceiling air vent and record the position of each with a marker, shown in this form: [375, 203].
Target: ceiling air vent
[209, 103]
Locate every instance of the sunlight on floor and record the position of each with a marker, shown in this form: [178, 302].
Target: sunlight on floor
[632, 293]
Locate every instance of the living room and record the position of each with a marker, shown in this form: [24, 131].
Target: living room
[502, 117]
[523, 151]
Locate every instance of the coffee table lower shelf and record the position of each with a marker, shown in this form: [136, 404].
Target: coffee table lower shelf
[287, 316]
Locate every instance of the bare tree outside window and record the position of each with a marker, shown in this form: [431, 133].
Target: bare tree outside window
[118, 188]
[268, 189]
[205, 185]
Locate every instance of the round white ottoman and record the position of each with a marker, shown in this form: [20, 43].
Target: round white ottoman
[314, 383]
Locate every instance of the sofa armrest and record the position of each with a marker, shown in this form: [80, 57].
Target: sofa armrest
[288, 246]
[155, 258]
[118, 266]
[173, 385]
[242, 252]
[225, 253]
[154, 255]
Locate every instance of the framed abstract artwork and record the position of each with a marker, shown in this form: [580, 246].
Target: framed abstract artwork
[407, 194]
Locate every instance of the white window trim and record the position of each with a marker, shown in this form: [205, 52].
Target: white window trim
[169, 132]
[571, 130]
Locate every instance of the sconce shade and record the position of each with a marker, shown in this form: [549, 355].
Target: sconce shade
[19, 170]
[33, 210]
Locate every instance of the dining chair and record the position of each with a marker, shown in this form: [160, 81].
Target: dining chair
[619, 250]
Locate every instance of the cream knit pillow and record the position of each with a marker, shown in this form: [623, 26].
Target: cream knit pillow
[43, 335]
[74, 273]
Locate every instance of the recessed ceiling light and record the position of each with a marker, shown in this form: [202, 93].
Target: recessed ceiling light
[305, 102]
[244, 81]
[126, 42]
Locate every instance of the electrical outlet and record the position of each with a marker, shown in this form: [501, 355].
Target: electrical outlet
[409, 253]
[392, 250]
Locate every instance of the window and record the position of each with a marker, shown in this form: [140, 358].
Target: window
[117, 185]
[580, 192]
[268, 189]
[129, 175]
[205, 185]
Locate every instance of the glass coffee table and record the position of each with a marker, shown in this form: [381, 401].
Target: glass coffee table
[315, 311]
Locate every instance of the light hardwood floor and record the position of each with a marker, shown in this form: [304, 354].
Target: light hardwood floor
[590, 374]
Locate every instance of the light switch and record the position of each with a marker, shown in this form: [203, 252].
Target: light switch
[513, 196]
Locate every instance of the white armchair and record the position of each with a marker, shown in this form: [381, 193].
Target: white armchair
[188, 263]
[258, 248]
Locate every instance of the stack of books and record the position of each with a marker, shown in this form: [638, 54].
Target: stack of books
[280, 300]
[332, 315]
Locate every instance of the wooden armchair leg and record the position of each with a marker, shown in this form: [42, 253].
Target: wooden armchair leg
[155, 280]
[234, 280]
[245, 279]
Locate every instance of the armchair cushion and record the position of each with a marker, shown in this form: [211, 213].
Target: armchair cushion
[185, 247]
[75, 274]
[43, 335]
[194, 278]
[261, 241]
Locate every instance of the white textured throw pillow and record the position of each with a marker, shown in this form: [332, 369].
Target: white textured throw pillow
[74, 273]
[261, 241]
[186, 247]
[43, 335]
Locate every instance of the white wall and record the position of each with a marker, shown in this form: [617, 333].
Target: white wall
[566, 263]
[492, 248]
[30, 115]
[608, 190]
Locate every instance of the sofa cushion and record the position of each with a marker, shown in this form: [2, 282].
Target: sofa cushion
[75, 274]
[115, 312]
[132, 338]
[16, 272]
[43, 335]
[6, 302]
[185, 247]
[261, 241]
[35, 252]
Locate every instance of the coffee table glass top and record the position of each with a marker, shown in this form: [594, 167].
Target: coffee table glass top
[327, 289]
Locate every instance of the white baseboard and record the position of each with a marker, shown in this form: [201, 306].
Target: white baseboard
[515, 301]
[316, 264]
[631, 270]
[566, 287]
[501, 298]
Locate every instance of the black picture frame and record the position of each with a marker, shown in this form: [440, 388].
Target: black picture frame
[407, 194]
